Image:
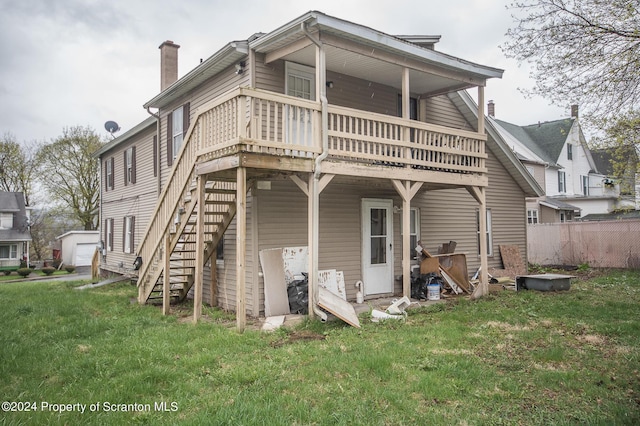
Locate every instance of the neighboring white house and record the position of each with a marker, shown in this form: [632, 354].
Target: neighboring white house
[78, 247]
[557, 155]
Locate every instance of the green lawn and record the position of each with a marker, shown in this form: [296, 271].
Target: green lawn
[511, 358]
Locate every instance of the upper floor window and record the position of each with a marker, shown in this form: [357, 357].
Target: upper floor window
[569, 151]
[108, 170]
[532, 216]
[585, 185]
[177, 126]
[562, 182]
[6, 220]
[301, 81]
[130, 165]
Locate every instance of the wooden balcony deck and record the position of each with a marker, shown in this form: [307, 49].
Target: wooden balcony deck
[263, 124]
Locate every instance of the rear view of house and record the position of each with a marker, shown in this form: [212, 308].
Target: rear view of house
[14, 231]
[323, 134]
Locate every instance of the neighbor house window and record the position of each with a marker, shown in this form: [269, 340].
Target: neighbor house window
[6, 220]
[585, 185]
[108, 233]
[562, 182]
[177, 126]
[9, 251]
[569, 151]
[128, 234]
[108, 167]
[532, 216]
[130, 165]
[489, 237]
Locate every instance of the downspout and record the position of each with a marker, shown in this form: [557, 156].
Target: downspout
[158, 162]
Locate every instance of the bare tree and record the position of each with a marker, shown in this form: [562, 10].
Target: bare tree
[18, 166]
[72, 173]
[583, 52]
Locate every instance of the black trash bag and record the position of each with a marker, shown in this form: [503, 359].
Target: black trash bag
[298, 293]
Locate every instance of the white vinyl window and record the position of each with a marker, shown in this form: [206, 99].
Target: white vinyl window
[585, 185]
[6, 220]
[130, 165]
[532, 216]
[414, 234]
[489, 233]
[128, 234]
[109, 173]
[562, 182]
[109, 234]
[178, 120]
[9, 251]
[301, 81]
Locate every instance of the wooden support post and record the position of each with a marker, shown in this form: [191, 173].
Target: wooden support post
[199, 267]
[481, 109]
[241, 247]
[478, 192]
[213, 284]
[166, 283]
[407, 191]
[313, 234]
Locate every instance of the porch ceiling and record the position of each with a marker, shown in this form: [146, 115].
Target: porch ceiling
[375, 70]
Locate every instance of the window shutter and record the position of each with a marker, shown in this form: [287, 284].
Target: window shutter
[113, 176]
[185, 118]
[155, 155]
[126, 178]
[106, 175]
[170, 139]
[111, 234]
[124, 234]
[133, 164]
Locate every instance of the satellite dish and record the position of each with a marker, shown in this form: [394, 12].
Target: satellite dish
[111, 127]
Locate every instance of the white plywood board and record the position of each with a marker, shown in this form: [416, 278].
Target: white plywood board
[338, 307]
[296, 261]
[333, 281]
[276, 300]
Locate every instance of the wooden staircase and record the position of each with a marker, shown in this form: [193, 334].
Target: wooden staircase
[220, 208]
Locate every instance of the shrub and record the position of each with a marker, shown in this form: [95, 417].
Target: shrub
[24, 272]
[48, 270]
[7, 272]
[69, 268]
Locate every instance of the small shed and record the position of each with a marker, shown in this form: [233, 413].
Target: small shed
[78, 247]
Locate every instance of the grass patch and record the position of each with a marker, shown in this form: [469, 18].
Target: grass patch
[509, 358]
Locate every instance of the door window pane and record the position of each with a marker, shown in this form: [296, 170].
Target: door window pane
[378, 236]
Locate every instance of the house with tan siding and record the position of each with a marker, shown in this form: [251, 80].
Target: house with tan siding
[323, 134]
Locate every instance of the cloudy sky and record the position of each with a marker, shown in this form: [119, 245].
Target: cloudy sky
[83, 62]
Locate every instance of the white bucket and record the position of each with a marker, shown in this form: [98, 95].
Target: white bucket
[433, 291]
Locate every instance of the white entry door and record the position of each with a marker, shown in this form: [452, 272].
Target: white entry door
[377, 246]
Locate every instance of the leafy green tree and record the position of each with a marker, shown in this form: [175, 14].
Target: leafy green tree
[18, 166]
[583, 52]
[72, 173]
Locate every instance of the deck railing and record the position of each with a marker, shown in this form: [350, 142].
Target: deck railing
[258, 121]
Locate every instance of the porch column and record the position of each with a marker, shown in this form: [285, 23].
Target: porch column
[199, 267]
[407, 191]
[241, 247]
[406, 94]
[481, 109]
[313, 229]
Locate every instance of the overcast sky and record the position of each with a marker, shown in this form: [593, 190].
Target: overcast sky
[83, 62]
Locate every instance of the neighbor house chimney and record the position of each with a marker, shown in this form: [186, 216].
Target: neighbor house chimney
[491, 109]
[168, 64]
[574, 111]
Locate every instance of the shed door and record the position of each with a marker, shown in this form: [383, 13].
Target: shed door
[377, 253]
[84, 254]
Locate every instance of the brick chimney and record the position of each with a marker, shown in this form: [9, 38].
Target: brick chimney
[168, 64]
[491, 109]
[574, 111]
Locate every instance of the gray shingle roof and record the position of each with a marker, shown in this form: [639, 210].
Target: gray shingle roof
[13, 202]
[544, 139]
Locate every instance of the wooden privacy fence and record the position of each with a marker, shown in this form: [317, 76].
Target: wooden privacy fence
[607, 244]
